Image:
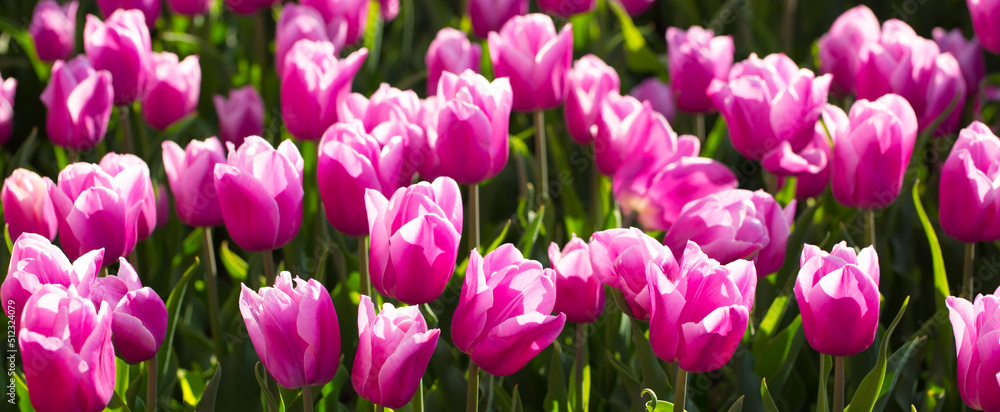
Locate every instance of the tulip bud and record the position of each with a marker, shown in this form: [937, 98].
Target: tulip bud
[696, 57]
[490, 15]
[984, 15]
[27, 207]
[451, 51]
[53, 30]
[241, 115]
[346, 20]
[150, 9]
[970, 178]
[619, 258]
[579, 292]
[974, 327]
[139, 317]
[313, 86]
[294, 330]
[839, 48]
[589, 81]
[174, 90]
[659, 96]
[136, 187]
[838, 296]
[121, 46]
[79, 123]
[567, 8]
[297, 23]
[7, 89]
[529, 52]
[190, 172]
[967, 52]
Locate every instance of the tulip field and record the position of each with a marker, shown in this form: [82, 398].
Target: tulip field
[500, 205]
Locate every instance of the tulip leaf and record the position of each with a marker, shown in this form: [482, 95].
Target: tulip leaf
[787, 192]
[574, 216]
[192, 243]
[769, 405]
[25, 153]
[868, 391]
[121, 377]
[262, 380]
[117, 403]
[24, 39]
[174, 301]
[661, 406]
[207, 402]
[235, 265]
[499, 239]
[940, 277]
[825, 364]
[638, 55]
[623, 370]
[652, 374]
[772, 355]
[556, 398]
[738, 405]
[515, 401]
[6, 238]
[24, 405]
[713, 139]
[896, 363]
[531, 234]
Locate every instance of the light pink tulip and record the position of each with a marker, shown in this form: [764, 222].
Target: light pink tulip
[190, 172]
[535, 58]
[839, 48]
[590, 80]
[696, 58]
[975, 328]
[619, 258]
[451, 51]
[579, 292]
[27, 207]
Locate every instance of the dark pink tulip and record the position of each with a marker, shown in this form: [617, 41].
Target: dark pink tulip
[346, 20]
[139, 191]
[944, 86]
[66, 346]
[838, 296]
[619, 258]
[490, 15]
[27, 207]
[590, 80]
[247, 7]
[906, 64]
[388, 9]
[294, 330]
[53, 30]
[659, 96]
[736, 224]
[869, 162]
[393, 351]
[839, 48]
[260, 193]
[149, 8]
[975, 327]
[414, 239]
[314, 83]
[636, 7]
[190, 7]
[387, 104]
[567, 8]
[696, 57]
[700, 314]
[812, 167]
[297, 23]
[617, 115]
[79, 101]
[970, 187]
[967, 52]
[535, 58]
[121, 46]
[451, 51]
[7, 90]
[241, 115]
[190, 172]
[985, 14]
[503, 316]
[138, 315]
[173, 90]
[579, 292]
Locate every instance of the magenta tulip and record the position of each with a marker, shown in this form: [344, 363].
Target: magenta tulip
[190, 172]
[658, 94]
[945, 85]
[451, 51]
[812, 165]
[387, 104]
[297, 23]
[590, 80]
[27, 207]
[190, 7]
[124, 168]
[567, 8]
[294, 330]
[150, 9]
[314, 83]
[241, 115]
[53, 30]
[696, 58]
[535, 58]
[247, 7]
[636, 7]
[970, 187]
[490, 15]
[579, 292]
[138, 315]
[984, 15]
[173, 90]
[619, 258]
[838, 296]
[388, 9]
[967, 52]
[79, 101]
[503, 316]
[393, 351]
[617, 116]
[346, 20]
[840, 47]
[7, 90]
[162, 205]
[121, 45]
[260, 193]
[975, 327]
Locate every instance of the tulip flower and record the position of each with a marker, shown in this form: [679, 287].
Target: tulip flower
[490, 15]
[967, 52]
[699, 314]
[838, 296]
[840, 47]
[974, 326]
[66, 348]
[735, 224]
[619, 257]
[297, 23]
[260, 193]
[138, 315]
[150, 9]
[579, 292]
[346, 20]
[190, 172]
[536, 59]
[945, 85]
[241, 115]
[769, 101]
[696, 58]
[984, 15]
[7, 89]
[451, 51]
[27, 207]
[162, 206]
[53, 30]
[659, 96]
[393, 351]
[970, 187]
[314, 83]
[351, 161]
[121, 45]
[174, 90]
[467, 133]
[386, 105]
[636, 7]
[294, 330]
[414, 239]
[79, 101]
[190, 7]
[869, 163]
[617, 116]
[567, 8]
[247, 7]
[590, 80]
[36, 262]
[811, 167]
[124, 168]
[503, 316]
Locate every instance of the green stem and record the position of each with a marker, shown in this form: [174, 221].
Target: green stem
[379, 408]
[581, 343]
[212, 289]
[838, 384]
[870, 218]
[970, 254]
[268, 267]
[364, 282]
[417, 405]
[473, 216]
[680, 390]
[307, 399]
[596, 200]
[151, 385]
[699, 124]
[472, 399]
[540, 157]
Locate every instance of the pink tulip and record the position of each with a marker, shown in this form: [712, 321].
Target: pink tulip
[967, 52]
[970, 187]
[388, 104]
[79, 101]
[659, 96]
[567, 8]
[27, 207]
[839, 48]
[619, 258]
[314, 83]
[984, 15]
[589, 81]
[812, 166]
[297, 23]
[974, 327]
[260, 193]
[700, 313]
[346, 20]
[190, 7]
[66, 349]
[241, 115]
[138, 315]
[838, 296]
[414, 239]
[393, 351]
[579, 292]
[451, 51]
[149, 8]
[7, 89]
[190, 172]
[124, 168]
[121, 45]
[636, 7]
[490, 15]
[736, 224]
[174, 90]
[529, 52]
[294, 330]
[869, 163]
[617, 116]
[53, 30]
[696, 58]
[247, 7]
[503, 316]
[162, 205]
[945, 85]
